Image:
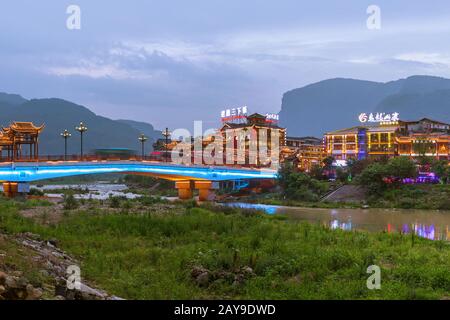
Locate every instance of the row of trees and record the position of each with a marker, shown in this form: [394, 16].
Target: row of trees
[376, 175]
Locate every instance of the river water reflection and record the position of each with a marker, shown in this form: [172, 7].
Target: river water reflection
[428, 224]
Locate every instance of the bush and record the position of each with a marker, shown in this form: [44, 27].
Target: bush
[300, 186]
[70, 203]
[114, 202]
[36, 192]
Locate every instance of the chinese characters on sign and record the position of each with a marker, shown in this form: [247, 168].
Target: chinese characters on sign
[272, 117]
[379, 117]
[233, 114]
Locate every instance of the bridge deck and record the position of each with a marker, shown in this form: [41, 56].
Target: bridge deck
[29, 171]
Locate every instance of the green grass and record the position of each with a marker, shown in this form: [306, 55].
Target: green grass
[436, 197]
[151, 256]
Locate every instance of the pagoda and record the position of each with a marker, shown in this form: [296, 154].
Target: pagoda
[17, 135]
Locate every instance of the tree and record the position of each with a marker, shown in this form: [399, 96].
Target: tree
[328, 162]
[299, 186]
[355, 167]
[400, 168]
[442, 170]
[378, 177]
[373, 179]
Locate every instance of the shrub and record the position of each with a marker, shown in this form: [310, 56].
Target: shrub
[36, 192]
[70, 203]
[114, 202]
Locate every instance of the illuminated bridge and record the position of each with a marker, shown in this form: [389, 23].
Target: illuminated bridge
[17, 176]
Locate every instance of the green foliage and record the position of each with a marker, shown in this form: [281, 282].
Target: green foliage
[300, 186]
[36, 192]
[442, 169]
[70, 203]
[114, 202]
[376, 176]
[152, 256]
[401, 167]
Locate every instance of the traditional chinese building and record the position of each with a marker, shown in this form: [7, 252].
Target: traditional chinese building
[18, 136]
[388, 138]
[308, 151]
[255, 133]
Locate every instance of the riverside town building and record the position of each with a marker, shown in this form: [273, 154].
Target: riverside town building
[424, 137]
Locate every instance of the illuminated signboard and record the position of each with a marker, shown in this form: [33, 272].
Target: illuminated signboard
[228, 115]
[272, 117]
[379, 117]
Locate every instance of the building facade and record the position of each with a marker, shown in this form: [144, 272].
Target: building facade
[306, 151]
[424, 137]
[255, 133]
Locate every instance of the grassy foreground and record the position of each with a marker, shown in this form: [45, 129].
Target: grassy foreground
[153, 255]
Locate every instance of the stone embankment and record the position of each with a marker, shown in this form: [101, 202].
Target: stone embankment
[53, 263]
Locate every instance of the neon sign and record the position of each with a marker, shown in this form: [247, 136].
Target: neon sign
[272, 117]
[234, 114]
[379, 117]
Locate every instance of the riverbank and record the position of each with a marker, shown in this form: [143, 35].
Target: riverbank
[181, 251]
[423, 197]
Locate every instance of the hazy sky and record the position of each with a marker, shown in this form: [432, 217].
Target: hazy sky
[173, 62]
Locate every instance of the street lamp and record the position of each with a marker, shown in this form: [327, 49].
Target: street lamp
[166, 133]
[81, 129]
[65, 134]
[142, 138]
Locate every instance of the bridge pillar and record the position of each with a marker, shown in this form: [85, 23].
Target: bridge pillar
[205, 190]
[184, 189]
[11, 189]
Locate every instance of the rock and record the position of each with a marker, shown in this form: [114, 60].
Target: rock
[238, 279]
[197, 270]
[33, 293]
[2, 278]
[32, 236]
[22, 282]
[2, 290]
[10, 282]
[203, 279]
[53, 242]
[247, 270]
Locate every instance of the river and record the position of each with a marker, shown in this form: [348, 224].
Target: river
[430, 224]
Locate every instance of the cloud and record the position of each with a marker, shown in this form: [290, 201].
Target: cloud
[430, 59]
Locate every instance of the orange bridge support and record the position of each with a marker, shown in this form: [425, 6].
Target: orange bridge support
[205, 190]
[184, 189]
[10, 189]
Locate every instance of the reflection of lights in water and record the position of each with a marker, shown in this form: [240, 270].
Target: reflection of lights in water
[269, 209]
[426, 231]
[335, 224]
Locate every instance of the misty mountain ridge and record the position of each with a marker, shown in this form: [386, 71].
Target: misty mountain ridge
[59, 114]
[335, 103]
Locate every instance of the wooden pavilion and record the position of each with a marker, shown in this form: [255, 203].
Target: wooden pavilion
[17, 135]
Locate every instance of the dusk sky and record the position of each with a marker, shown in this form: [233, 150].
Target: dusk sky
[172, 62]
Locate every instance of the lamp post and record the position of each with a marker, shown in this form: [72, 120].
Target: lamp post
[65, 134]
[166, 133]
[142, 138]
[81, 129]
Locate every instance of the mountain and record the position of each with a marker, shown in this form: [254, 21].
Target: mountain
[145, 128]
[335, 103]
[11, 99]
[58, 114]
